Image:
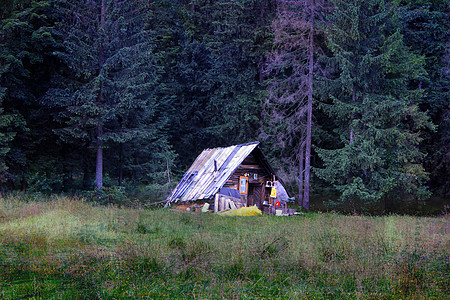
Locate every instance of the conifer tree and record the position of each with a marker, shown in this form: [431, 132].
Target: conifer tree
[235, 71]
[25, 40]
[110, 96]
[291, 65]
[215, 58]
[5, 138]
[376, 112]
[426, 27]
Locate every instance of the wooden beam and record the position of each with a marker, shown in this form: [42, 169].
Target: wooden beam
[252, 167]
[221, 204]
[232, 205]
[216, 203]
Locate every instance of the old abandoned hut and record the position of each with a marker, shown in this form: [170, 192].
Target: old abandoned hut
[232, 177]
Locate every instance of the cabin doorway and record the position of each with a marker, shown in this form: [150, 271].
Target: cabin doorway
[255, 195]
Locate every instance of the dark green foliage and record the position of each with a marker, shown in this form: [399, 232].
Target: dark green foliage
[426, 30]
[26, 37]
[114, 195]
[135, 91]
[378, 120]
[216, 57]
[109, 98]
[5, 138]
[234, 70]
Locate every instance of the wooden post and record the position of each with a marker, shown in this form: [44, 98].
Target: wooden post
[232, 205]
[216, 203]
[221, 204]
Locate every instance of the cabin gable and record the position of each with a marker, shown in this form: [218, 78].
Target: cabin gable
[256, 176]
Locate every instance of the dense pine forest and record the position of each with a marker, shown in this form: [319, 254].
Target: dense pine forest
[350, 98]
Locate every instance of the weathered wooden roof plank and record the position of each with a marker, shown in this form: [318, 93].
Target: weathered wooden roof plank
[202, 181]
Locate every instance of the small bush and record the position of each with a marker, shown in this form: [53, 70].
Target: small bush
[151, 193]
[115, 195]
[141, 229]
[38, 182]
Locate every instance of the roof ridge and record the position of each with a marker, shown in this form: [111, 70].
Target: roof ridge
[238, 145]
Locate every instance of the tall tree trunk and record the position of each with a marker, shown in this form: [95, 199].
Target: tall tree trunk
[23, 182]
[102, 14]
[168, 170]
[120, 164]
[352, 133]
[388, 204]
[262, 10]
[261, 71]
[99, 161]
[309, 109]
[66, 170]
[301, 171]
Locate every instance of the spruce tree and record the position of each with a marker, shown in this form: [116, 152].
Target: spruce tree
[426, 27]
[26, 38]
[378, 121]
[237, 89]
[291, 67]
[6, 137]
[109, 97]
[215, 53]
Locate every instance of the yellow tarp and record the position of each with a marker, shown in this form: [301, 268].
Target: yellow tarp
[243, 211]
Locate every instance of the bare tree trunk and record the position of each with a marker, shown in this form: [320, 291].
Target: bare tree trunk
[301, 170]
[262, 12]
[23, 183]
[309, 111]
[120, 164]
[388, 204]
[102, 14]
[352, 133]
[66, 170]
[261, 71]
[99, 160]
[168, 170]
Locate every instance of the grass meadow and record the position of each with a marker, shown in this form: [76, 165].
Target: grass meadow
[65, 248]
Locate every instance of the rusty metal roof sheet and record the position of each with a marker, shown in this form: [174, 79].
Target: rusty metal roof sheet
[209, 172]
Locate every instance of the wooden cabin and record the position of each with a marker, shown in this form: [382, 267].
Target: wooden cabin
[231, 178]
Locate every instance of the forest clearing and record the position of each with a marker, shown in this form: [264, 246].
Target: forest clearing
[65, 248]
[334, 112]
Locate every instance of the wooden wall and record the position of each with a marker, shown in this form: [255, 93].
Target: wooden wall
[256, 188]
[249, 166]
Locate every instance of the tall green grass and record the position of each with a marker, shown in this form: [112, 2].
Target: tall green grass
[64, 248]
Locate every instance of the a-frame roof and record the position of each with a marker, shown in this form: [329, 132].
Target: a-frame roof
[210, 171]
